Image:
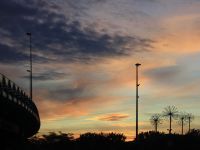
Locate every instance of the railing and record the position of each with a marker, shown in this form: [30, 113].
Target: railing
[10, 91]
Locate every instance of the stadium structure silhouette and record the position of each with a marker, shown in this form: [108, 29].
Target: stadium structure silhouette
[18, 113]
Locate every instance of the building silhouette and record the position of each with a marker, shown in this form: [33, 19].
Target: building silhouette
[19, 116]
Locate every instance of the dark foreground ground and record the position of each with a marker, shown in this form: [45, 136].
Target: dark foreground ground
[112, 141]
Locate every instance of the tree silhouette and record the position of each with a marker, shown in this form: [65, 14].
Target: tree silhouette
[57, 140]
[102, 137]
[116, 138]
[53, 137]
[99, 141]
[182, 119]
[170, 112]
[155, 121]
[189, 118]
[194, 132]
[110, 141]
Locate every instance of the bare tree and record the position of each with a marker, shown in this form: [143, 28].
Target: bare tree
[182, 119]
[190, 118]
[155, 121]
[170, 112]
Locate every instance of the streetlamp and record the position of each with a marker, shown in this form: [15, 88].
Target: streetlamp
[137, 85]
[31, 94]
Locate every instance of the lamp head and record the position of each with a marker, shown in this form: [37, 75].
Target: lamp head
[137, 64]
[28, 33]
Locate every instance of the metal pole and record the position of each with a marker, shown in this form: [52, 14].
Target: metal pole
[137, 85]
[189, 124]
[182, 125]
[170, 124]
[30, 40]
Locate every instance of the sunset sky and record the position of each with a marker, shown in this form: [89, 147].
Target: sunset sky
[84, 53]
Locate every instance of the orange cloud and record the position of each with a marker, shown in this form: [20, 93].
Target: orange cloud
[54, 110]
[111, 117]
[180, 35]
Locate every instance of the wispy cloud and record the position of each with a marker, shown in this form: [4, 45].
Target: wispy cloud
[48, 75]
[111, 117]
[77, 107]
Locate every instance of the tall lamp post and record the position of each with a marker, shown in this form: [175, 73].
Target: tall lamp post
[137, 85]
[31, 94]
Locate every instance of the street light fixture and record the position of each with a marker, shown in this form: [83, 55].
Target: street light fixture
[29, 34]
[137, 97]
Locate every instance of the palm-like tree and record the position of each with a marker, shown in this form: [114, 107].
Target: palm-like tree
[155, 121]
[170, 112]
[189, 118]
[182, 119]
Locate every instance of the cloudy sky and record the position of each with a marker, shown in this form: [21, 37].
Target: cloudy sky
[84, 53]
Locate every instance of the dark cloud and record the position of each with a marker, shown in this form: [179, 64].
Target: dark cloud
[167, 75]
[14, 8]
[10, 54]
[164, 72]
[113, 117]
[48, 75]
[67, 94]
[57, 35]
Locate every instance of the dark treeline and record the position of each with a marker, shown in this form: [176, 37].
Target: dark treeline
[92, 141]
[112, 141]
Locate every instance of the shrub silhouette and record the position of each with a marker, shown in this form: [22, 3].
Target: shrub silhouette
[51, 141]
[113, 141]
[101, 140]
